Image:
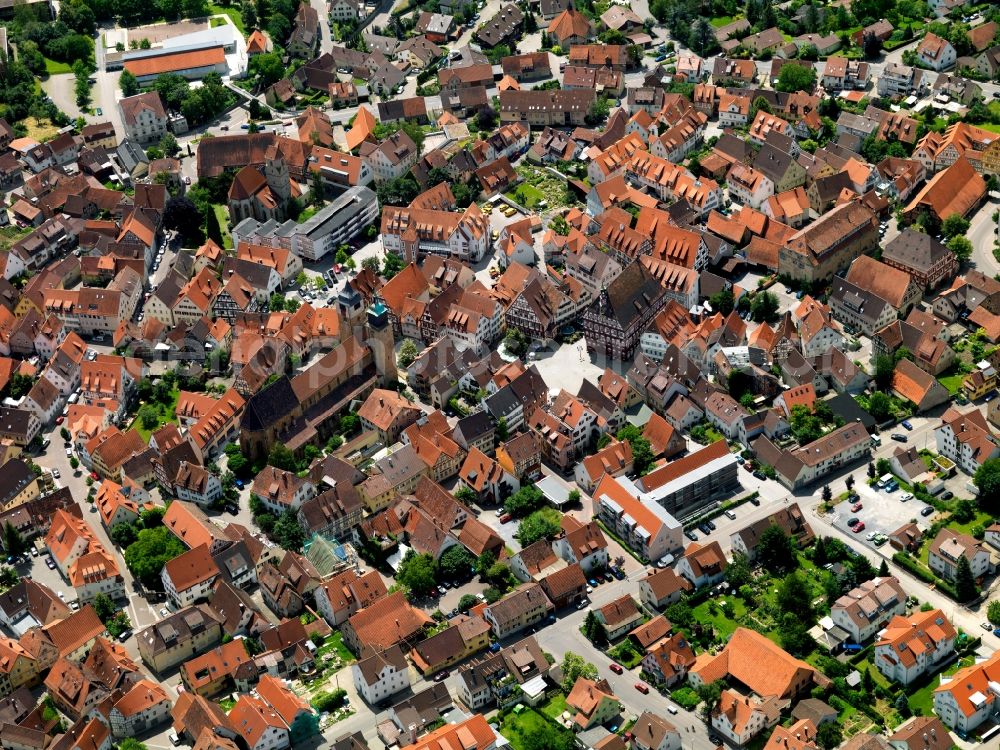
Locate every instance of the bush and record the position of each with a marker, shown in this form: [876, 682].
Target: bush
[325, 702]
[686, 698]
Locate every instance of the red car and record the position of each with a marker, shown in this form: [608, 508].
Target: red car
[642, 687]
[505, 518]
[616, 668]
[859, 528]
[856, 507]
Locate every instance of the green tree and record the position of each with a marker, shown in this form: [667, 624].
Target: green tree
[212, 228]
[880, 406]
[954, 226]
[455, 564]
[281, 458]
[965, 511]
[987, 480]
[149, 416]
[738, 573]
[152, 549]
[74, 463]
[701, 38]
[775, 550]
[961, 247]
[794, 636]
[795, 598]
[883, 569]
[885, 366]
[269, 67]
[19, 385]
[965, 582]
[169, 145]
[829, 735]
[418, 573]
[993, 612]
[288, 532]
[104, 608]
[794, 77]
[723, 301]
[467, 602]
[501, 429]
[764, 307]
[542, 524]
[594, 630]
[407, 353]
[391, 265]
[525, 501]
[128, 84]
[642, 453]
[130, 743]
[13, 542]
[573, 667]
[710, 693]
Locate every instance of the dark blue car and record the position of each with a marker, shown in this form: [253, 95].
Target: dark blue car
[906, 424]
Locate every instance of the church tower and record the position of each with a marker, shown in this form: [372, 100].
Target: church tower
[382, 343]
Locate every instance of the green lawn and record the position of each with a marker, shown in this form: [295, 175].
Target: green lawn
[555, 706]
[527, 195]
[954, 382]
[720, 21]
[516, 727]
[989, 126]
[981, 519]
[335, 644]
[626, 654]
[54, 68]
[922, 699]
[723, 625]
[167, 414]
[222, 214]
[234, 15]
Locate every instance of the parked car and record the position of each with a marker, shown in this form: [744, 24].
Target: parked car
[441, 675]
[505, 518]
[730, 515]
[899, 437]
[616, 668]
[691, 535]
[906, 424]
[755, 501]
[710, 524]
[929, 510]
[69, 453]
[642, 687]
[760, 474]
[986, 626]
[856, 507]
[124, 636]
[860, 527]
[905, 496]
[948, 495]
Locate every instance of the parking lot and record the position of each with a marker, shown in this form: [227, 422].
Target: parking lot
[881, 512]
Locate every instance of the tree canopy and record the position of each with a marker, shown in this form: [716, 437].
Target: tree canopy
[152, 549]
[775, 550]
[418, 573]
[794, 77]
